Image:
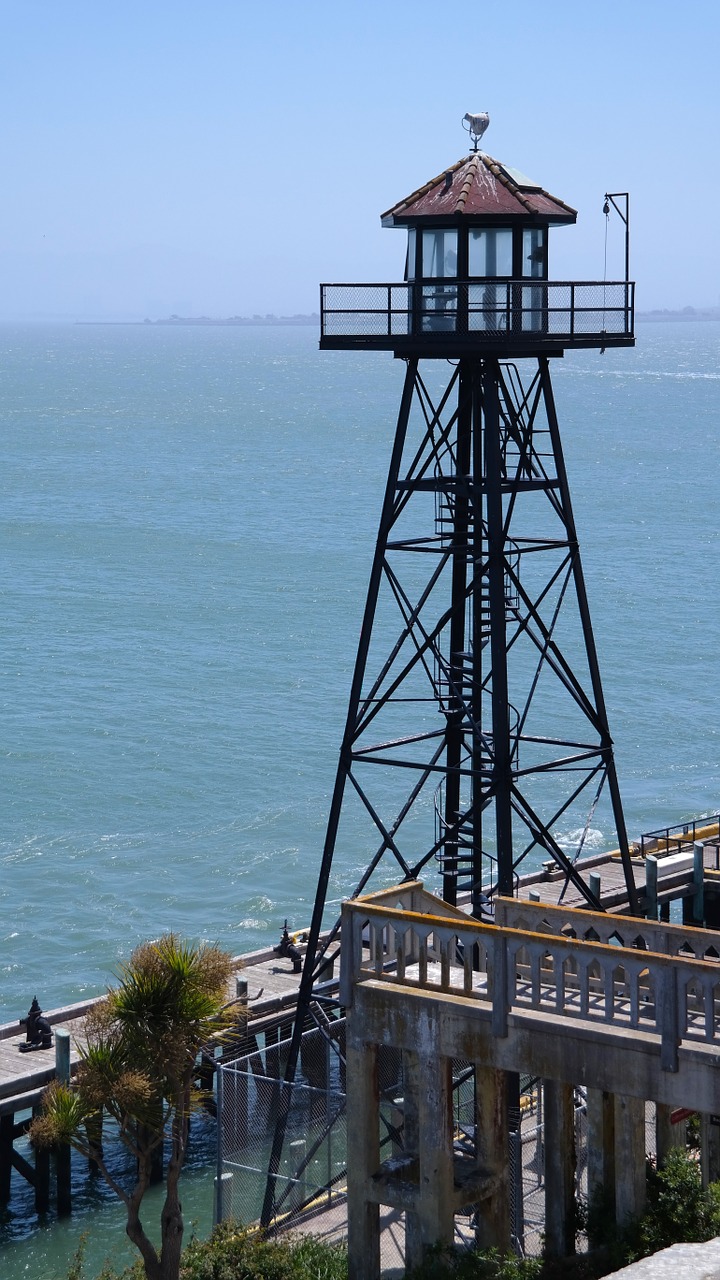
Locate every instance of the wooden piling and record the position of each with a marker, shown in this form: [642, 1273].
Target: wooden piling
[41, 1179]
[7, 1124]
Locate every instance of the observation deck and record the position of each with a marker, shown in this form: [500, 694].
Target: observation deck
[494, 317]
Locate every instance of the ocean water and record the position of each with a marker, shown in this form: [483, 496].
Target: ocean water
[187, 517]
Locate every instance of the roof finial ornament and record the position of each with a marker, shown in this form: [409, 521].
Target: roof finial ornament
[476, 125]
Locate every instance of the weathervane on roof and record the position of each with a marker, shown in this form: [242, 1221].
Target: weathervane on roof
[476, 125]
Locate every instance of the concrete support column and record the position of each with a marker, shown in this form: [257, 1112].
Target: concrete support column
[667, 1134]
[491, 1149]
[709, 1148]
[363, 1159]
[428, 1095]
[630, 1183]
[559, 1115]
[600, 1145]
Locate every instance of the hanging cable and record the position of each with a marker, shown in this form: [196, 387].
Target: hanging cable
[606, 211]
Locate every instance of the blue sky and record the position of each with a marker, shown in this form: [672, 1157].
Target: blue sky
[224, 158]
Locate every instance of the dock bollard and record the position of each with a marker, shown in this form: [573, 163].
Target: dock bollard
[62, 1056]
[288, 950]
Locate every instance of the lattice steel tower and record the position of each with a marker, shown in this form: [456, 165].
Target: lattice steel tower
[476, 737]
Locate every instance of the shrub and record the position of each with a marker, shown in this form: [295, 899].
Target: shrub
[486, 1264]
[679, 1208]
[233, 1254]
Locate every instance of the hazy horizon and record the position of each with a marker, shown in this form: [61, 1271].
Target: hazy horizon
[159, 160]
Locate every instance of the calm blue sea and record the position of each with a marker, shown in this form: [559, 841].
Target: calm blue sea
[187, 517]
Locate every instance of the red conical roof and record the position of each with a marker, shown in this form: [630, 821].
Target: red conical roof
[479, 187]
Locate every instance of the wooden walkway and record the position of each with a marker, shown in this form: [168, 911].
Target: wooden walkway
[271, 988]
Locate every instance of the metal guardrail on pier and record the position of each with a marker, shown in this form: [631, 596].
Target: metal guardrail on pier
[486, 312]
[682, 836]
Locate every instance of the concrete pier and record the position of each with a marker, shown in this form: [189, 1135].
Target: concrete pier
[623, 1007]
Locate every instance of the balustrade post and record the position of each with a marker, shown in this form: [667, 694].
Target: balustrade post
[348, 955]
[499, 986]
[668, 1020]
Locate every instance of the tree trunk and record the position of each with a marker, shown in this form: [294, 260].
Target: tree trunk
[171, 1220]
[134, 1228]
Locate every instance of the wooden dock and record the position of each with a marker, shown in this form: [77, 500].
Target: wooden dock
[267, 988]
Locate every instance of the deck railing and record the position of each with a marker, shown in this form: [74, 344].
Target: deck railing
[675, 998]
[682, 836]
[489, 311]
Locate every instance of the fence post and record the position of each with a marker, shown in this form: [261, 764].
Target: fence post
[220, 1122]
[298, 1166]
[223, 1196]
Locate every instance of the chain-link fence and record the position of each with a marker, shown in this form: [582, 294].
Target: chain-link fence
[495, 308]
[309, 1178]
[252, 1099]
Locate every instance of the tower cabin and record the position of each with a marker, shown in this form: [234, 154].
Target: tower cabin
[476, 277]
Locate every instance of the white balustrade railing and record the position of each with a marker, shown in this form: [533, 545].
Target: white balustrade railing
[599, 926]
[674, 997]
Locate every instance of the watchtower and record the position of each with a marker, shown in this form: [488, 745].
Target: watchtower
[485, 698]
[476, 737]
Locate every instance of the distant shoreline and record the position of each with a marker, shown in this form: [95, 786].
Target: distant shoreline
[687, 313]
[253, 321]
[653, 317]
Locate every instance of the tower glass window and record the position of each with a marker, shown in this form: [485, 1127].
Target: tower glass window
[439, 262]
[490, 251]
[411, 251]
[439, 249]
[534, 256]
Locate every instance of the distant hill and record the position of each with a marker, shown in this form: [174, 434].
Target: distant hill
[270, 319]
[687, 313]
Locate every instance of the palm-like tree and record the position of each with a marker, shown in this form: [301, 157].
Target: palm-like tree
[138, 1065]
